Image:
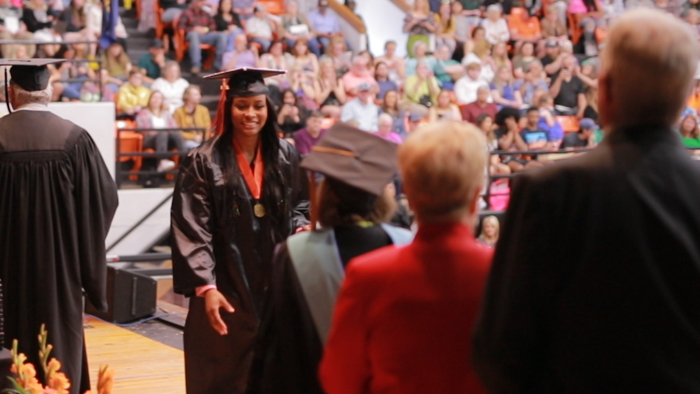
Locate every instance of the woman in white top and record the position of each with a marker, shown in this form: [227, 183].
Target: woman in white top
[171, 85]
[156, 116]
[495, 26]
[394, 63]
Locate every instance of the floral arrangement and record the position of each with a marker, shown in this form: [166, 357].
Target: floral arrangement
[56, 381]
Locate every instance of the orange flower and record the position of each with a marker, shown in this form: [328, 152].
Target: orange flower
[59, 382]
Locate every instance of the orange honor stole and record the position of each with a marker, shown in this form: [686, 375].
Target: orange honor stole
[253, 176]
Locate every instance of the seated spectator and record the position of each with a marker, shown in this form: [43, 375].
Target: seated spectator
[193, 114]
[39, 21]
[116, 62]
[523, 27]
[495, 27]
[133, 96]
[490, 228]
[361, 109]
[444, 109]
[478, 45]
[276, 59]
[324, 24]
[549, 122]
[358, 75]
[369, 58]
[302, 85]
[386, 129]
[553, 58]
[171, 85]
[585, 138]
[553, 27]
[419, 24]
[439, 277]
[509, 138]
[151, 62]
[79, 91]
[201, 29]
[503, 90]
[395, 64]
[294, 26]
[533, 80]
[381, 75]
[486, 63]
[308, 137]
[420, 50]
[155, 115]
[482, 105]
[447, 70]
[568, 91]
[330, 91]
[244, 9]
[499, 57]
[588, 72]
[446, 27]
[690, 132]
[390, 106]
[523, 60]
[342, 58]
[485, 123]
[171, 9]
[466, 87]
[10, 21]
[304, 58]
[290, 116]
[421, 90]
[260, 28]
[240, 56]
[74, 18]
[228, 22]
[532, 134]
[463, 29]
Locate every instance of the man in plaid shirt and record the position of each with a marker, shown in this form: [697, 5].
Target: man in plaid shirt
[201, 29]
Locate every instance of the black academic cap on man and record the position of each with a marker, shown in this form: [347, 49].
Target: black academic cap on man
[354, 157]
[30, 74]
[245, 81]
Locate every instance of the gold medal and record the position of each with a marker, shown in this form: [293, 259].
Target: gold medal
[259, 210]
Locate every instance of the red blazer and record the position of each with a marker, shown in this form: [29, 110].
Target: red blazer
[404, 317]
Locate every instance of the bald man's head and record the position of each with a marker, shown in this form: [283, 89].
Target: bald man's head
[647, 69]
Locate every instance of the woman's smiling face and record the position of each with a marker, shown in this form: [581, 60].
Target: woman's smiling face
[249, 114]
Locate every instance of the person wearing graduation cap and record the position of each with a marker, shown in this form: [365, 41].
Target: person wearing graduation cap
[56, 206]
[353, 206]
[236, 196]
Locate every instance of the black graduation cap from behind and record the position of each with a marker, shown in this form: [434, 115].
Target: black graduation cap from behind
[30, 74]
[354, 157]
[245, 81]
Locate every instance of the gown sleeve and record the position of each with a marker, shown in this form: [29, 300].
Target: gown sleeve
[191, 227]
[300, 191]
[96, 201]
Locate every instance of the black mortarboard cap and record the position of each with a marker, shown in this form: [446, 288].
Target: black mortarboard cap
[354, 157]
[30, 74]
[245, 81]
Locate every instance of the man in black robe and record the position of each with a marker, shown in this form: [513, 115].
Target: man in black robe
[56, 206]
[595, 285]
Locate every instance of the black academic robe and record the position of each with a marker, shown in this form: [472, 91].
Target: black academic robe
[56, 206]
[595, 284]
[218, 240]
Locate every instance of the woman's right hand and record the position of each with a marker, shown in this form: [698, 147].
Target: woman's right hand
[213, 302]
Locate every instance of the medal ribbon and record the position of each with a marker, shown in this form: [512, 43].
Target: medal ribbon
[253, 177]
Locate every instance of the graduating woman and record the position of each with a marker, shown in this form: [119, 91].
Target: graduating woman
[237, 195]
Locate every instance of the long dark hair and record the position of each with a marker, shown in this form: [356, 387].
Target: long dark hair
[273, 196]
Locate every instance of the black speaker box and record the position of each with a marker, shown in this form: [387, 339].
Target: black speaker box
[130, 296]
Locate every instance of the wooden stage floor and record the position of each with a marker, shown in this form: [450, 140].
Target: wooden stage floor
[140, 364]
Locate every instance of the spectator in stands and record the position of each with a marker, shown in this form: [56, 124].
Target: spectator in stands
[390, 106]
[533, 80]
[549, 122]
[568, 90]
[201, 29]
[690, 132]
[421, 90]
[324, 23]
[509, 138]
[193, 114]
[499, 58]
[76, 27]
[503, 90]
[395, 64]
[495, 27]
[79, 91]
[467, 86]
[302, 85]
[330, 91]
[171, 85]
[381, 75]
[447, 70]
[342, 58]
[308, 137]
[294, 26]
[522, 61]
[446, 26]
[171, 9]
[228, 22]
[151, 62]
[472, 111]
[420, 55]
[370, 59]
[155, 115]
[532, 134]
[413, 122]
[10, 21]
[358, 75]
[304, 58]
[133, 96]
[584, 138]
[386, 129]
[116, 67]
[477, 45]
[260, 28]
[361, 109]
[290, 116]
[419, 24]
[39, 20]
[490, 228]
[485, 123]
[241, 55]
[444, 109]
[480, 55]
[553, 57]
[523, 27]
[553, 27]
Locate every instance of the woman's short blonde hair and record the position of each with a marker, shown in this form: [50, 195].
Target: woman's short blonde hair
[442, 165]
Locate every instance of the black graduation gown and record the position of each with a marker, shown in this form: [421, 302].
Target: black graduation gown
[218, 240]
[290, 349]
[595, 284]
[56, 206]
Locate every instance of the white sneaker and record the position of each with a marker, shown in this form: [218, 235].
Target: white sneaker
[166, 165]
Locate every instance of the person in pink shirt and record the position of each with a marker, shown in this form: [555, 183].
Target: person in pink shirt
[358, 74]
[386, 129]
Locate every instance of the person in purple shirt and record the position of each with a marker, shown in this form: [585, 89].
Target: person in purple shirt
[306, 138]
[325, 23]
[240, 56]
[385, 129]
